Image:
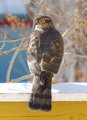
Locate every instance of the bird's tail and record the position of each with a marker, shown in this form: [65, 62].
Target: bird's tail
[41, 93]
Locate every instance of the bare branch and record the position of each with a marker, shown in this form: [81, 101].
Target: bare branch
[11, 50]
[73, 27]
[4, 32]
[11, 41]
[2, 46]
[40, 7]
[11, 63]
[29, 76]
[5, 35]
[22, 78]
[76, 55]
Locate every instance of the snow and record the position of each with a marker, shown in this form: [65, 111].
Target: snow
[60, 91]
[56, 88]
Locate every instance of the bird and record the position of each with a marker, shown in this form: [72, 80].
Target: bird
[44, 56]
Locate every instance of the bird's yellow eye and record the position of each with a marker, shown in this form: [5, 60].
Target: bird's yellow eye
[42, 21]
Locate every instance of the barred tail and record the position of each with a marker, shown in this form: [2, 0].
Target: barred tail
[40, 97]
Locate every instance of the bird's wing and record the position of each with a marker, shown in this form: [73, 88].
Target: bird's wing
[52, 55]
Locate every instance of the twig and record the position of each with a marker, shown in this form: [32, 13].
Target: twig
[76, 55]
[10, 41]
[70, 30]
[11, 50]
[40, 7]
[2, 46]
[44, 8]
[3, 32]
[29, 76]
[22, 78]
[5, 35]
[11, 63]
[73, 28]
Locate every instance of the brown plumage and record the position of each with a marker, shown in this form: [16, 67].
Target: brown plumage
[45, 54]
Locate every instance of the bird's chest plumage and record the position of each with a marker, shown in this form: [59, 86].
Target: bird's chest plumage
[44, 45]
[40, 43]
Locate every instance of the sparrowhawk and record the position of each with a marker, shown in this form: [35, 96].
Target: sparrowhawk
[44, 56]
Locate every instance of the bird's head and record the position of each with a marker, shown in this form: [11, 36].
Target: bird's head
[43, 22]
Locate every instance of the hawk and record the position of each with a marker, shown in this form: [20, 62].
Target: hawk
[44, 56]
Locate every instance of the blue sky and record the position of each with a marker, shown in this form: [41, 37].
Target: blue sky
[12, 6]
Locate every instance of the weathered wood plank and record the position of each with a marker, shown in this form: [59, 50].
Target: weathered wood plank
[60, 111]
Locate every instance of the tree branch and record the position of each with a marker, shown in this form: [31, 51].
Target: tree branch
[11, 41]
[11, 50]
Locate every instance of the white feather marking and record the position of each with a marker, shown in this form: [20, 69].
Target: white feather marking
[39, 28]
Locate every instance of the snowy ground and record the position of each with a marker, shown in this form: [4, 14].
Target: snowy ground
[60, 92]
[56, 88]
